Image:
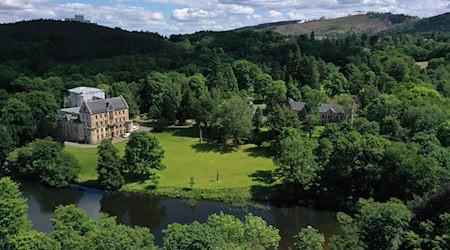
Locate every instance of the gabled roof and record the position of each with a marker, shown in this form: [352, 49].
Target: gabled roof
[296, 106]
[103, 105]
[85, 90]
[324, 108]
[70, 114]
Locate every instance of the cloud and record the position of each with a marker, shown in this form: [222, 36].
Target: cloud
[192, 14]
[274, 14]
[118, 15]
[236, 9]
[186, 16]
[294, 15]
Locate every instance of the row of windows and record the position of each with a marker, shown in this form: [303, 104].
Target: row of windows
[103, 135]
[120, 112]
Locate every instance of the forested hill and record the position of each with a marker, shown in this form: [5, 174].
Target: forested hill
[370, 23]
[50, 40]
[427, 26]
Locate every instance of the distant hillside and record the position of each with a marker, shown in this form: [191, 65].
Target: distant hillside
[364, 23]
[50, 40]
[440, 23]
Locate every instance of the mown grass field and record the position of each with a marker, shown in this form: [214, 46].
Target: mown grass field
[185, 157]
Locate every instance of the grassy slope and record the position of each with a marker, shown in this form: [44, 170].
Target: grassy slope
[362, 23]
[185, 157]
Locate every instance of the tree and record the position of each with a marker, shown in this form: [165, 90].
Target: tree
[258, 119]
[6, 144]
[32, 240]
[280, 117]
[233, 120]
[309, 239]
[108, 167]
[122, 89]
[376, 225]
[245, 73]
[382, 224]
[143, 154]
[13, 211]
[221, 76]
[75, 230]
[70, 224]
[44, 159]
[308, 72]
[62, 172]
[222, 231]
[348, 236]
[162, 96]
[292, 90]
[18, 119]
[204, 108]
[276, 92]
[261, 84]
[192, 91]
[296, 163]
[313, 97]
[107, 234]
[443, 134]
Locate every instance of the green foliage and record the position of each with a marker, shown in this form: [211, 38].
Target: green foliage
[13, 211]
[296, 162]
[122, 89]
[261, 84]
[443, 134]
[109, 166]
[75, 230]
[382, 224]
[161, 124]
[6, 144]
[221, 76]
[233, 120]
[309, 239]
[18, 119]
[45, 160]
[280, 117]
[222, 232]
[161, 96]
[246, 73]
[32, 240]
[375, 226]
[44, 108]
[258, 119]
[348, 236]
[143, 154]
[276, 92]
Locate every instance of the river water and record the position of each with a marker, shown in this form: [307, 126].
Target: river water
[157, 212]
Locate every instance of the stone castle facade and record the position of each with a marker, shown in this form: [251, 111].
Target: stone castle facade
[91, 118]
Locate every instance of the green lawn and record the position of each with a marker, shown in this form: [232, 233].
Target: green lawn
[186, 157]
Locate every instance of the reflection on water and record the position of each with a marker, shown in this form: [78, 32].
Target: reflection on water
[157, 212]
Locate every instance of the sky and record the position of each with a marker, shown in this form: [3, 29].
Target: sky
[186, 16]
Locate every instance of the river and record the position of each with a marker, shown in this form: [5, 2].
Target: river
[157, 212]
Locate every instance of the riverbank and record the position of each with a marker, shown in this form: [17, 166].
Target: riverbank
[230, 175]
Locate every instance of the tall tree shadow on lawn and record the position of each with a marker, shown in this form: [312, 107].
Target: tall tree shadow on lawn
[212, 147]
[263, 176]
[258, 152]
[191, 132]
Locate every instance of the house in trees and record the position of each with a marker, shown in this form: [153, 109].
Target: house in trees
[298, 107]
[96, 119]
[330, 113]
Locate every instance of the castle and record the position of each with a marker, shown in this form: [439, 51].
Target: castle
[90, 117]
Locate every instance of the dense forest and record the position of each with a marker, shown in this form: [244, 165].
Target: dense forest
[387, 165]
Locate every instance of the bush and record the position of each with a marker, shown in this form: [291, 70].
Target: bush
[161, 125]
